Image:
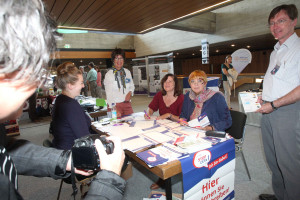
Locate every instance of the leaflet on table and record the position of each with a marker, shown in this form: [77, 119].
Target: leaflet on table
[137, 143]
[160, 155]
[249, 101]
[193, 143]
[186, 130]
[202, 121]
[157, 137]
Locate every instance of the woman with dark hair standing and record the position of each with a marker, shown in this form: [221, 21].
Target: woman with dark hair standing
[168, 101]
[224, 68]
[69, 120]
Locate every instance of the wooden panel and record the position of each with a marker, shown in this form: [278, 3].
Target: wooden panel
[87, 54]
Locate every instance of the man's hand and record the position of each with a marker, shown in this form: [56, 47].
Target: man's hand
[265, 108]
[111, 162]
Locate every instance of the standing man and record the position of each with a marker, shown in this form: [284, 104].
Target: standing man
[281, 106]
[119, 85]
[84, 75]
[92, 78]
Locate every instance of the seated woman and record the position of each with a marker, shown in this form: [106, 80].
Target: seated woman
[69, 120]
[203, 100]
[168, 101]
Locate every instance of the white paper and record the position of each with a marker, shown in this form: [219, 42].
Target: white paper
[249, 101]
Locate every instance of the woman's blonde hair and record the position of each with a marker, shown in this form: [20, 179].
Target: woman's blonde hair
[198, 74]
[67, 73]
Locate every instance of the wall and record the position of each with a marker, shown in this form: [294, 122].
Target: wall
[259, 64]
[240, 20]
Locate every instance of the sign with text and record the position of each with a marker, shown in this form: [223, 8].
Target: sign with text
[205, 51]
[209, 174]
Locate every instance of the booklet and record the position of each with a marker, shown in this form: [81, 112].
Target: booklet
[249, 101]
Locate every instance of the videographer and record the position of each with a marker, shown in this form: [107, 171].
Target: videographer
[27, 38]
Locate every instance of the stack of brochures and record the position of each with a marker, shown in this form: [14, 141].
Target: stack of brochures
[161, 155]
[192, 143]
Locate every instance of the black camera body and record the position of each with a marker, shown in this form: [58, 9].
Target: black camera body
[84, 152]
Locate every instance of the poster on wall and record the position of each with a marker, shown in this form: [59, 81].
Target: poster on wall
[205, 51]
[158, 67]
[240, 59]
[140, 76]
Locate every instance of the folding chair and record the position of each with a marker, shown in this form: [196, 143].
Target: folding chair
[237, 131]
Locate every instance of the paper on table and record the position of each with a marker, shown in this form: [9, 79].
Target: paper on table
[123, 131]
[204, 121]
[157, 136]
[249, 101]
[136, 143]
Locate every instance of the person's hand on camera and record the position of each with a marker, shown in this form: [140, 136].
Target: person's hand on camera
[111, 162]
[78, 171]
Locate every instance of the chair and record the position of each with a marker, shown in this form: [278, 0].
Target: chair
[237, 131]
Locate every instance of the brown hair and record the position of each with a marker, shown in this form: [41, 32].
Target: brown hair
[177, 90]
[290, 10]
[116, 52]
[228, 56]
[67, 73]
[198, 74]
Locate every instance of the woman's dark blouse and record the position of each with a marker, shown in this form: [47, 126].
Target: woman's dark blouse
[69, 122]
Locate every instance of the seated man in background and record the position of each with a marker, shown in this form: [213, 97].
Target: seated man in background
[26, 41]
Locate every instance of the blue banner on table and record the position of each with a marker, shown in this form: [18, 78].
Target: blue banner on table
[209, 174]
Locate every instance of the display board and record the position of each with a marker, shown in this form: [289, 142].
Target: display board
[212, 83]
[140, 76]
[158, 67]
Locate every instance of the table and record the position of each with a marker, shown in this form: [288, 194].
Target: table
[253, 118]
[167, 171]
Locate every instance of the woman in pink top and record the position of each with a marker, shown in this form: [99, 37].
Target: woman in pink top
[99, 85]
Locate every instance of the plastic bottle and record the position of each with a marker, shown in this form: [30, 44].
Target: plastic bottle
[113, 113]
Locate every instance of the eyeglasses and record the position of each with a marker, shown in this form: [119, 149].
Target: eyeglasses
[278, 22]
[119, 58]
[197, 81]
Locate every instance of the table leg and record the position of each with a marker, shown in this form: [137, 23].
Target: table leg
[168, 186]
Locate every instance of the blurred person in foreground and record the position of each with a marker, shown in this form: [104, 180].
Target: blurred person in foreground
[119, 86]
[27, 39]
[281, 106]
[202, 101]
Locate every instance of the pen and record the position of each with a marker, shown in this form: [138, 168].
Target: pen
[146, 114]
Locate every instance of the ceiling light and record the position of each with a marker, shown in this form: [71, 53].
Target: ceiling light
[80, 28]
[233, 45]
[177, 54]
[248, 46]
[217, 50]
[193, 54]
[193, 13]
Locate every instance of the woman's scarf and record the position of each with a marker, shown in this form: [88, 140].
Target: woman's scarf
[120, 74]
[199, 100]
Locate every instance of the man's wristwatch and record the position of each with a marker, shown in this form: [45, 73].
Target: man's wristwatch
[272, 104]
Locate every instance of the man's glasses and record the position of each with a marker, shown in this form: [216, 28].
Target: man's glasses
[197, 81]
[278, 22]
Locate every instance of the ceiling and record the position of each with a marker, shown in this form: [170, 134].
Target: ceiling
[140, 16]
